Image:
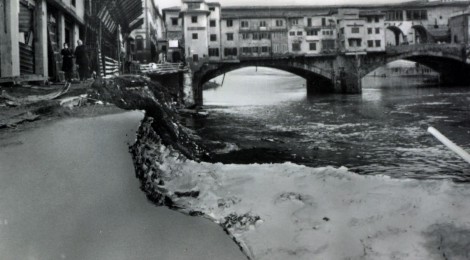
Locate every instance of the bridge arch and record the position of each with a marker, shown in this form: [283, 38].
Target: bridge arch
[395, 35]
[451, 64]
[422, 35]
[318, 80]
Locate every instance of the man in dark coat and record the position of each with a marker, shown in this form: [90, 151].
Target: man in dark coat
[67, 62]
[82, 61]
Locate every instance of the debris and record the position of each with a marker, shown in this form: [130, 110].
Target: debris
[36, 98]
[71, 102]
[18, 119]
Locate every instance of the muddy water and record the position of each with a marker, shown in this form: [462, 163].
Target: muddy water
[268, 117]
[68, 191]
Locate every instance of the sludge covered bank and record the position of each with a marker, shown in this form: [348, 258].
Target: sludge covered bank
[288, 211]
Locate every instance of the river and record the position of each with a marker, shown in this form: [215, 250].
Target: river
[264, 115]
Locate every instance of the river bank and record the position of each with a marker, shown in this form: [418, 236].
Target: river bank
[288, 211]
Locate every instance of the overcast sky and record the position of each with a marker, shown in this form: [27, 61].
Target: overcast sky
[168, 3]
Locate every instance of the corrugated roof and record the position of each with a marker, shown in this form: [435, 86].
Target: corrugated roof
[124, 12]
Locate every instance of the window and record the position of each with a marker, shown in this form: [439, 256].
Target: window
[262, 24]
[264, 49]
[355, 42]
[369, 30]
[295, 22]
[300, 33]
[309, 22]
[174, 21]
[194, 19]
[279, 23]
[213, 52]
[377, 30]
[195, 58]
[265, 36]
[370, 43]
[292, 33]
[244, 24]
[369, 19]
[212, 23]
[377, 19]
[354, 29]
[323, 21]
[416, 15]
[212, 9]
[194, 36]
[229, 36]
[377, 43]
[341, 30]
[255, 49]
[213, 37]
[139, 43]
[229, 23]
[192, 6]
[328, 44]
[255, 36]
[295, 46]
[245, 50]
[312, 32]
[313, 46]
[230, 52]
[394, 15]
[245, 36]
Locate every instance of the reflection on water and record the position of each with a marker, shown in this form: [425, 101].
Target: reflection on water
[382, 131]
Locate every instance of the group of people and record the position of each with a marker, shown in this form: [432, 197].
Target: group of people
[81, 60]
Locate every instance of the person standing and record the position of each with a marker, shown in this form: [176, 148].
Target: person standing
[67, 62]
[82, 61]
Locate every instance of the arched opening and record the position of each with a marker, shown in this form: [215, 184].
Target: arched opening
[394, 36]
[252, 85]
[420, 34]
[400, 74]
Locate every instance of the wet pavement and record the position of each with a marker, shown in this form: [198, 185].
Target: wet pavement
[68, 191]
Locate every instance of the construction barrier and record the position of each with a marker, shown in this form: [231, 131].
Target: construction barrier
[111, 67]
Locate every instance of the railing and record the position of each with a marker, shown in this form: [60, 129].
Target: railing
[111, 67]
[161, 68]
[446, 49]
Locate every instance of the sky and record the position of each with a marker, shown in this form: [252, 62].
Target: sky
[169, 3]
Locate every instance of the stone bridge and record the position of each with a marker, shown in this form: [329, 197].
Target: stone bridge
[342, 72]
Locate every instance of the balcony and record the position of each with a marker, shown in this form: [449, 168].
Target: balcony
[257, 28]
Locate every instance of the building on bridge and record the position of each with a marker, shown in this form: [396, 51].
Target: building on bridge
[312, 35]
[420, 22]
[459, 25]
[360, 31]
[233, 33]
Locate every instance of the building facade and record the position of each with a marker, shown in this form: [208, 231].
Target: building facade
[235, 33]
[145, 42]
[33, 33]
[173, 34]
[459, 25]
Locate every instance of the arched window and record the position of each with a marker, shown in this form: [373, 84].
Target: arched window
[139, 43]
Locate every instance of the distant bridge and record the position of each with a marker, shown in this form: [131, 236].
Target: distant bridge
[342, 72]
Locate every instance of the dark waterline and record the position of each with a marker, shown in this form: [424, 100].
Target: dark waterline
[268, 117]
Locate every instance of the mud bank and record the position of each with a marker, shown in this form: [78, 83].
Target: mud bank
[288, 211]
